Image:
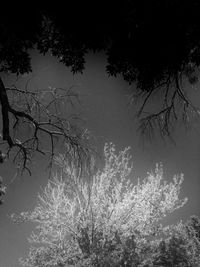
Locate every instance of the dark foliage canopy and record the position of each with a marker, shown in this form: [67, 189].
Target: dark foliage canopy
[146, 41]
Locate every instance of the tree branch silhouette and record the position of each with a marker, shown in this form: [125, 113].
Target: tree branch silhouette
[40, 116]
[169, 113]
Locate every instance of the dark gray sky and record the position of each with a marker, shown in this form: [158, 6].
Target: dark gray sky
[104, 107]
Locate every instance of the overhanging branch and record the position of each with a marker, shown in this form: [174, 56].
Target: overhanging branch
[43, 118]
[164, 119]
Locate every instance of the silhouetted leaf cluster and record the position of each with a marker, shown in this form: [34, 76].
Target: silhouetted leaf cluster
[145, 41]
[155, 44]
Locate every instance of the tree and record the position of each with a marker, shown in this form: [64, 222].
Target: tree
[180, 247]
[154, 44]
[151, 43]
[106, 221]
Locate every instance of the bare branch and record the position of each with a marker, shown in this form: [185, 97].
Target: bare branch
[164, 119]
[41, 111]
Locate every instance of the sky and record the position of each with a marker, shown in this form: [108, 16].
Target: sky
[107, 114]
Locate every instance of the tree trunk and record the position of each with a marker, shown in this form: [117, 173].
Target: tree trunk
[5, 107]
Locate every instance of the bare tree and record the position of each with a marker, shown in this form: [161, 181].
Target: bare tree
[32, 118]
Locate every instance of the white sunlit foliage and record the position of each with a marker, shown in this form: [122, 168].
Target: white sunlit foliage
[82, 224]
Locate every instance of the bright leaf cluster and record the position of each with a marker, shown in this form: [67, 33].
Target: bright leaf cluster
[109, 221]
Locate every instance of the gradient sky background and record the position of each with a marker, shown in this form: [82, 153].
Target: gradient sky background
[104, 107]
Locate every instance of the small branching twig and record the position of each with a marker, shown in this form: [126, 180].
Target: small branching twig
[164, 119]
